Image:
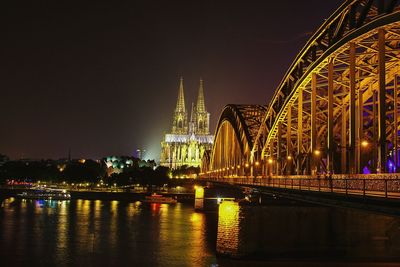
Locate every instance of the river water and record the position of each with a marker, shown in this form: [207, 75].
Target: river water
[111, 233]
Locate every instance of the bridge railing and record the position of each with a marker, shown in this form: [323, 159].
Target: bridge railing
[386, 188]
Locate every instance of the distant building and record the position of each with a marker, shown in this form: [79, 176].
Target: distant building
[140, 153]
[117, 164]
[188, 139]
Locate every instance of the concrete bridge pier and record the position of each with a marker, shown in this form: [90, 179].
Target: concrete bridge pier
[199, 198]
[287, 229]
[207, 198]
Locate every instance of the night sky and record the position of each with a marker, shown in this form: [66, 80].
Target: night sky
[101, 78]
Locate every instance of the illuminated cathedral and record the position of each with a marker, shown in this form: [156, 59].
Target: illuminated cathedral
[188, 139]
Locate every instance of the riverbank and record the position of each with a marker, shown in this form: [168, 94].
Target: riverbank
[106, 195]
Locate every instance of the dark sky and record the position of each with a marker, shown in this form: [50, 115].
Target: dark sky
[101, 78]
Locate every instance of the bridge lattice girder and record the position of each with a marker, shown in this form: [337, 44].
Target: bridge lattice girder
[234, 138]
[317, 107]
[341, 90]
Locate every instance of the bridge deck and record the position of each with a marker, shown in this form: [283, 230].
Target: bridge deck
[375, 195]
[382, 188]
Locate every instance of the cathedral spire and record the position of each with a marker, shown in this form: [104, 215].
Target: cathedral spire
[201, 107]
[180, 123]
[180, 104]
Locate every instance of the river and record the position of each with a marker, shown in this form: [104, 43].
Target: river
[111, 233]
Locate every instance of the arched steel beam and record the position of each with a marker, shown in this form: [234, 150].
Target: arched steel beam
[339, 29]
[245, 120]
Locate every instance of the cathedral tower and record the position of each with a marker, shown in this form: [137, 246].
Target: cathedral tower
[180, 123]
[202, 116]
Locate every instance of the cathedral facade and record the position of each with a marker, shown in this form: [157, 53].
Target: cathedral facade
[190, 136]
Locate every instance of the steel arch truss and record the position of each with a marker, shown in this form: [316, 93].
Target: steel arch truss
[237, 128]
[336, 110]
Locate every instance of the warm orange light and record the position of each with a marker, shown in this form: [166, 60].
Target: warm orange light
[317, 152]
[364, 143]
[238, 166]
[246, 165]
[257, 163]
[270, 161]
[289, 157]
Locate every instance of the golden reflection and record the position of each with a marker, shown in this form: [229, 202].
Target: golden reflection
[86, 207]
[83, 220]
[23, 203]
[164, 222]
[96, 222]
[62, 229]
[79, 204]
[228, 226]
[114, 207]
[113, 223]
[228, 210]
[198, 245]
[195, 218]
[133, 209]
[97, 209]
[178, 212]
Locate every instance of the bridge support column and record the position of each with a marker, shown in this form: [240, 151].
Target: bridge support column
[343, 139]
[199, 198]
[330, 118]
[314, 154]
[279, 150]
[382, 157]
[352, 109]
[374, 133]
[395, 122]
[289, 157]
[299, 131]
[360, 130]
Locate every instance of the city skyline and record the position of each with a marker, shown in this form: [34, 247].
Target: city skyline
[74, 80]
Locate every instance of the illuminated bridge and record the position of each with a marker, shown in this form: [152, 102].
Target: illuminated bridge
[333, 121]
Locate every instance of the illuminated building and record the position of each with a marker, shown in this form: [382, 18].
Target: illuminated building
[189, 139]
[117, 164]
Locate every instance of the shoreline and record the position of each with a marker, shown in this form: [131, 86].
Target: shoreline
[106, 195]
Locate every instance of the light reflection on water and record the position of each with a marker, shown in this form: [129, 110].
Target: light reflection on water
[112, 233]
[103, 233]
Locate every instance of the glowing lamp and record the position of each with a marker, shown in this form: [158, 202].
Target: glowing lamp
[364, 143]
